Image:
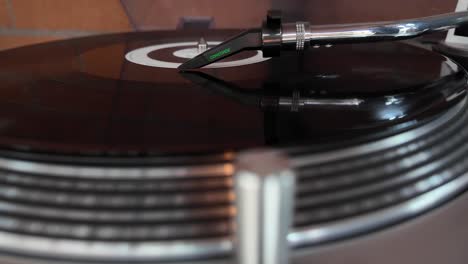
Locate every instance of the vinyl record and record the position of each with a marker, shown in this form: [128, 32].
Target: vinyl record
[122, 94]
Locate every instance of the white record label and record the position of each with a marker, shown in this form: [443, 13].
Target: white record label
[140, 56]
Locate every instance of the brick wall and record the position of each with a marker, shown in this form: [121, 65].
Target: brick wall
[24, 22]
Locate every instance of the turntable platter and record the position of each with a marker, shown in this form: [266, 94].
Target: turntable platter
[121, 158]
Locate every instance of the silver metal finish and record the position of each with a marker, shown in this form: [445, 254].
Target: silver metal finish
[115, 172]
[288, 34]
[294, 35]
[119, 250]
[321, 233]
[392, 30]
[202, 45]
[433, 238]
[356, 225]
[296, 103]
[301, 35]
[264, 187]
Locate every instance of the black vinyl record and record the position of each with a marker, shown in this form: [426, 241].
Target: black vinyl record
[122, 94]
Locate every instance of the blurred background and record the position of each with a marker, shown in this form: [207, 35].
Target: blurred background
[25, 22]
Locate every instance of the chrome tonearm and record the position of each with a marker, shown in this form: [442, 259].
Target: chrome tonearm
[275, 36]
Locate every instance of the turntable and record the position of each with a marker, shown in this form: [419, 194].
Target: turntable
[351, 151]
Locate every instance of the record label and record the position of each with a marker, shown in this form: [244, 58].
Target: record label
[141, 56]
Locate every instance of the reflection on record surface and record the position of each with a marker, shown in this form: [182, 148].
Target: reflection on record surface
[85, 96]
